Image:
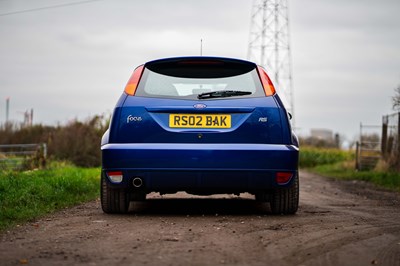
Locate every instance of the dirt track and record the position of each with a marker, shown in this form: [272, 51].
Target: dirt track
[338, 223]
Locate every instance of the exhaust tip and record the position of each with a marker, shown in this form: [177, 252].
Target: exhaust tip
[137, 182]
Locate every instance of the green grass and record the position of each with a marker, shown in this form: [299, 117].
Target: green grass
[311, 156]
[341, 165]
[346, 171]
[27, 195]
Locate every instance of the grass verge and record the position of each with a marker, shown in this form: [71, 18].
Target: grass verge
[28, 195]
[340, 164]
[346, 171]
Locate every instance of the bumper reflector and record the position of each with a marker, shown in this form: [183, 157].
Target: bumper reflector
[115, 177]
[283, 178]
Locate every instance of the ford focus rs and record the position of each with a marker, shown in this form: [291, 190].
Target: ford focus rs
[203, 125]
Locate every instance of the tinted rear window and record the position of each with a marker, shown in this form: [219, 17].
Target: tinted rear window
[188, 81]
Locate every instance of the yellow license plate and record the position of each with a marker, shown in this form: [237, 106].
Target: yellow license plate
[199, 121]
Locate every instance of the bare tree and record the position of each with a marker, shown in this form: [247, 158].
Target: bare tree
[396, 99]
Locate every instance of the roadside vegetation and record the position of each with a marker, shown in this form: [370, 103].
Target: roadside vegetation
[32, 186]
[27, 195]
[332, 162]
[314, 156]
[77, 141]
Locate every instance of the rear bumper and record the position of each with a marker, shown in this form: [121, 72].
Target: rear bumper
[219, 168]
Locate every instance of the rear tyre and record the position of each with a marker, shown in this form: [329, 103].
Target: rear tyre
[113, 200]
[286, 200]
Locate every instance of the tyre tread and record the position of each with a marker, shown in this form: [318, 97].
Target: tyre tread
[286, 200]
[113, 200]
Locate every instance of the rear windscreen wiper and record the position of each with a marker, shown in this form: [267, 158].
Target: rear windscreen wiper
[220, 94]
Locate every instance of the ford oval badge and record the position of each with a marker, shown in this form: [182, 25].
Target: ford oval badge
[199, 106]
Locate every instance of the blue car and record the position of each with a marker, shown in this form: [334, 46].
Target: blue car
[203, 125]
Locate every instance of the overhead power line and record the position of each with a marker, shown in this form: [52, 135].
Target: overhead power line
[47, 7]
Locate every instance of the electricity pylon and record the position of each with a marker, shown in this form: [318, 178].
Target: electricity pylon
[269, 45]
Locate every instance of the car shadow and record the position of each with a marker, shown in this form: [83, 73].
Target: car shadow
[199, 206]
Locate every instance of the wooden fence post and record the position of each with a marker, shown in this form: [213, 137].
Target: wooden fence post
[357, 156]
[398, 141]
[385, 120]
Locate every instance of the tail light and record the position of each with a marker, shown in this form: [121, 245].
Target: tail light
[115, 176]
[133, 82]
[283, 178]
[269, 88]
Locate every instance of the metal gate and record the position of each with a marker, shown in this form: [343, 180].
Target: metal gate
[16, 156]
[368, 148]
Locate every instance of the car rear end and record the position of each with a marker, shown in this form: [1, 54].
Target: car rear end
[203, 125]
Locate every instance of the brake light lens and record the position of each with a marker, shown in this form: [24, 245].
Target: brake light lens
[133, 82]
[269, 88]
[283, 178]
[115, 176]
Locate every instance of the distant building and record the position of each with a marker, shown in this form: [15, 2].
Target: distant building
[322, 134]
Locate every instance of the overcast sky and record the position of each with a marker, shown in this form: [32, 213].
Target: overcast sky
[74, 61]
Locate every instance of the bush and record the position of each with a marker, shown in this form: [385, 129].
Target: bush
[77, 142]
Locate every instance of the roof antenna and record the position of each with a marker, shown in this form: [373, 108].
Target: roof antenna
[201, 47]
